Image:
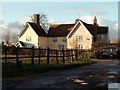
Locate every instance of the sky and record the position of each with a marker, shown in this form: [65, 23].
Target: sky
[16, 14]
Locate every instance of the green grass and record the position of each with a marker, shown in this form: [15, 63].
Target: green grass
[10, 69]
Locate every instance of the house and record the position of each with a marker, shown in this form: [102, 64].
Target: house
[78, 35]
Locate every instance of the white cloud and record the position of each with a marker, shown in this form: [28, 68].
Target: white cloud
[26, 19]
[2, 25]
[88, 19]
[113, 28]
[13, 28]
[51, 21]
[113, 25]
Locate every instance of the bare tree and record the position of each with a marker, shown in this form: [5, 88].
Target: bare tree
[14, 37]
[43, 22]
[6, 36]
[9, 37]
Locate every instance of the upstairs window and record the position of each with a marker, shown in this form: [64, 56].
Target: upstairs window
[54, 39]
[28, 38]
[79, 38]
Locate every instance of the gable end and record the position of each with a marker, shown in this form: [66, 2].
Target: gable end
[23, 30]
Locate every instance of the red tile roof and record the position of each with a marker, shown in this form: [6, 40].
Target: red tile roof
[60, 30]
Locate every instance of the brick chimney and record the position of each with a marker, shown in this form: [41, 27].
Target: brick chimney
[36, 18]
[95, 21]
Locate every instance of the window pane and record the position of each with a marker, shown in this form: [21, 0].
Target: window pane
[28, 38]
[54, 39]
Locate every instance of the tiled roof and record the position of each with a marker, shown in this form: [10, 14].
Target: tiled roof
[60, 30]
[56, 30]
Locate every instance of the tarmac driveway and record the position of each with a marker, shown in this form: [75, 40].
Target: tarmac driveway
[93, 77]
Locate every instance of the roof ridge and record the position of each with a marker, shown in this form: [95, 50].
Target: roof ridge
[86, 23]
[63, 24]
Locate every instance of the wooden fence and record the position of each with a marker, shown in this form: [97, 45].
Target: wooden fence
[9, 53]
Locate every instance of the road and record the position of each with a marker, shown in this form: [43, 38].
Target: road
[93, 77]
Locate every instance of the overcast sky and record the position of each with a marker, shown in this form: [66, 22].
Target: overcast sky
[15, 14]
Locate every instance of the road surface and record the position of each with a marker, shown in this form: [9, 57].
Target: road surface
[93, 77]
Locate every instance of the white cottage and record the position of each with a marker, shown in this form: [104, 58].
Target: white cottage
[78, 35]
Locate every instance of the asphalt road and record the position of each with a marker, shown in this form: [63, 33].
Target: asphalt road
[93, 77]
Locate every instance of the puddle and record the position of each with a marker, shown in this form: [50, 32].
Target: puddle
[91, 76]
[78, 81]
[82, 82]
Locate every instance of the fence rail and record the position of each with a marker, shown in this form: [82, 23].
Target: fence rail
[16, 53]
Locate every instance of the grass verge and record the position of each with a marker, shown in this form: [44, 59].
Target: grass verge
[11, 71]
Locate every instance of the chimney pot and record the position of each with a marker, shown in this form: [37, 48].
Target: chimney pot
[95, 21]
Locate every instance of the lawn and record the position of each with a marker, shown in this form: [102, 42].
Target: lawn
[10, 69]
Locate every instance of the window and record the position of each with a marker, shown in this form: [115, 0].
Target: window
[63, 39]
[54, 39]
[80, 46]
[79, 38]
[28, 38]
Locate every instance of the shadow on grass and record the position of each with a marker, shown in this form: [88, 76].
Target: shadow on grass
[10, 69]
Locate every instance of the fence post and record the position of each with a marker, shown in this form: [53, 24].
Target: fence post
[39, 54]
[72, 54]
[17, 57]
[57, 56]
[32, 61]
[6, 55]
[48, 55]
[63, 55]
[76, 54]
